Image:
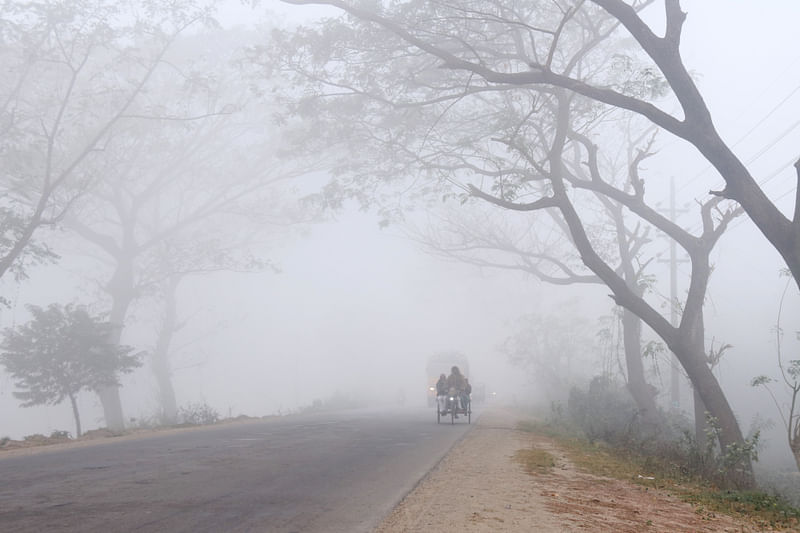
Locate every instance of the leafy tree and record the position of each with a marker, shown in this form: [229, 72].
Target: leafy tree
[60, 352]
[184, 196]
[71, 72]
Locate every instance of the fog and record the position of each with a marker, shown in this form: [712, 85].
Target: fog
[352, 308]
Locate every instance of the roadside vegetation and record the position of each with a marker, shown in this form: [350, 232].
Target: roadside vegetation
[612, 446]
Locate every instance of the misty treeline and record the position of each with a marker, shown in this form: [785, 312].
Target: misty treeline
[547, 111]
[130, 135]
[162, 146]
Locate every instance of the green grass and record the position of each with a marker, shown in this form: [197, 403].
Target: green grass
[535, 461]
[763, 510]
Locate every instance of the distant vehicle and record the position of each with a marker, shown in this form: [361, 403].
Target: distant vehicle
[441, 363]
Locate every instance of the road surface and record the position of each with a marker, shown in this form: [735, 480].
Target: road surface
[329, 473]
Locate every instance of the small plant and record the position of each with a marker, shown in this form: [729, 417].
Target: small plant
[728, 468]
[59, 434]
[198, 414]
[790, 376]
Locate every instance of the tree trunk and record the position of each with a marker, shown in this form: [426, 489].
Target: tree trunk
[77, 415]
[712, 397]
[169, 403]
[161, 366]
[121, 290]
[642, 392]
[699, 419]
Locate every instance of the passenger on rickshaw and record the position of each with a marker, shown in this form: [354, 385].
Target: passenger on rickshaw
[457, 383]
[441, 393]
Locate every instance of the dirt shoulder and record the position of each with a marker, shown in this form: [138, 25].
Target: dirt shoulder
[480, 487]
[34, 444]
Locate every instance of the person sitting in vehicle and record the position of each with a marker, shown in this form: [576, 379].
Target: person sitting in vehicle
[457, 384]
[441, 393]
[465, 398]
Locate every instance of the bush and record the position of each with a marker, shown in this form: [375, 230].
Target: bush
[726, 468]
[198, 414]
[604, 412]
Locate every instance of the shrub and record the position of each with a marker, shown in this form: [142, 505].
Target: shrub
[604, 412]
[726, 468]
[198, 414]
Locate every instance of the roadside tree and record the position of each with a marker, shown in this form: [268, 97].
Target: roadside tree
[60, 352]
[71, 72]
[433, 90]
[544, 250]
[190, 194]
[464, 38]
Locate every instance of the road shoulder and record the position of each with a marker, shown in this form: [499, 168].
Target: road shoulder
[480, 487]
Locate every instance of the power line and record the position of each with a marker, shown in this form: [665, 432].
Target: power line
[751, 130]
[775, 141]
[765, 180]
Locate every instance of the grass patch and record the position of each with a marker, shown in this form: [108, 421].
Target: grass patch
[763, 510]
[535, 461]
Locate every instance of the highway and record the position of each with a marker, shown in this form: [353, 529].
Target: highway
[338, 472]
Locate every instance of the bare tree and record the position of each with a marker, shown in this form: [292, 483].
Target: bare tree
[453, 37]
[486, 241]
[465, 94]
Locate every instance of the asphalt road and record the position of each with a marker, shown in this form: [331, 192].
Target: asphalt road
[328, 473]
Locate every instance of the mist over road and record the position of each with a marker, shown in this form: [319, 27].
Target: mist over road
[326, 472]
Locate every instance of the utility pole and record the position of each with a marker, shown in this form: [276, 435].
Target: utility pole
[674, 375]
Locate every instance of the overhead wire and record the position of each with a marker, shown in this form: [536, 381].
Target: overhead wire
[761, 93]
[756, 156]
